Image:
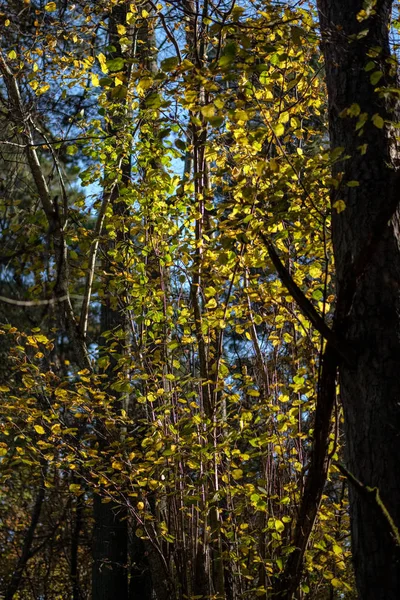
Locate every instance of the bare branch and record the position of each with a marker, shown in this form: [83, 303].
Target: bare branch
[305, 305]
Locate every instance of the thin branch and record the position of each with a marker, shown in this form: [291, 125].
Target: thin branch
[84, 317]
[39, 302]
[318, 469]
[374, 494]
[21, 118]
[167, 30]
[305, 305]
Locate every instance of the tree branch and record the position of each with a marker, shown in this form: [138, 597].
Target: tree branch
[305, 305]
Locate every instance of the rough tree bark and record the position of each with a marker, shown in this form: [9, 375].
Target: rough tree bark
[366, 240]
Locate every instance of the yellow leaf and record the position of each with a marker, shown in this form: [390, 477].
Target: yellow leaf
[212, 303]
[278, 525]
[241, 115]
[237, 474]
[43, 89]
[102, 60]
[140, 505]
[50, 7]
[315, 271]
[12, 54]
[39, 429]
[279, 129]
[42, 339]
[337, 549]
[4, 388]
[273, 164]
[95, 80]
[208, 111]
[144, 84]
[121, 29]
[340, 206]
[255, 393]
[75, 488]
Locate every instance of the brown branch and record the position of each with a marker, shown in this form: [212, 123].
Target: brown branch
[305, 305]
[318, 469]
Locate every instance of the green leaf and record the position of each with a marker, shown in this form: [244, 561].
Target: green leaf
[317, 295]
[169, 64]
[375, 77]
[378, 121]
[115, 64]
[354, 110]
[154, 101]
[228, 55]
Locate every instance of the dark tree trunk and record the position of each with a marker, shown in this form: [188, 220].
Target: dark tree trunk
[110, 551]
[110, 536]
[75, 542]
[366, 242]
[26, 549]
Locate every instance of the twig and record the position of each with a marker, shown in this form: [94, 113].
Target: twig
[374, 494]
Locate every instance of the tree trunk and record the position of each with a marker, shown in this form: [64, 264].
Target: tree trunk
[110, 551]
[23, 559]
[110, 538]
[366, 242]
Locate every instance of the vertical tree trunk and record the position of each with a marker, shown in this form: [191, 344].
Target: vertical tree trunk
[23, 559]
[110, 537]
[366, 241]
[110, 546]
[75, 539]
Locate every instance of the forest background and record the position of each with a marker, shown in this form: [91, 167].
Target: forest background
[199, 243]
